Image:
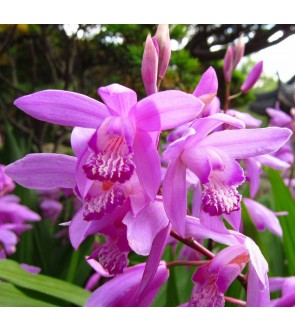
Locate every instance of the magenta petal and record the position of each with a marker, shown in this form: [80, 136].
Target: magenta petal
[174, 190]
[80, 138]
[256, 295]
[252, 78]
[118, 98]
[207, 87]
[272, 162]
[249, 120]
[200, 231]
[8, 240]
[122, 290]
[245, 143]
[262, 217]
[142, 229]
[98, 268]
[253, 172]
[204, 126]
[234, 219]
[153, 260]
[44, 171]
[161, 111]
[279, 118]
[77, 229]
[30, 268]
[63, 108]
[147, 162]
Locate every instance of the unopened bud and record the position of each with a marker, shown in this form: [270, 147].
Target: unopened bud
[163, 39]
[228, 64]
[252, 78]
[239, 51]
[206, 89]
[149, 66]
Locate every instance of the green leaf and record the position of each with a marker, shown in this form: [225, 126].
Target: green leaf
[172, 298]
[12, 272]
[11, 296]
[283, 201]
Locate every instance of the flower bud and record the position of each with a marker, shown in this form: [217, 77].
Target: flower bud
[239, 51]
[228, 64]
[149, 66]
[252, 78]
[163, 39]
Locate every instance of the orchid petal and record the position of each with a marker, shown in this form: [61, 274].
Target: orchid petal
[166, 110]
[272, 161]
[77, 229]
[204, 126]
[153, 260]
[63, 108]
[30, 268]
[147, 162]
[234, 219]
[258, 262]
[245, 143]
[262, 217]
[198, 230]
[253, 171]
[140, 233]
[118, 98]
[122, 290]
[252, 78]
[174, 190]
[278, 117]
[257, 296]
[248, 119]
[80, 138]
[9, 241]
[207, 87]
[44, 171]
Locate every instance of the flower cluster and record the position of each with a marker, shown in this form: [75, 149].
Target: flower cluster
[137, 198]
[13, 216]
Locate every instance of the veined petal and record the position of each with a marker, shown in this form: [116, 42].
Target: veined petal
[142, 229]
[166, 110]
[153, 260]
[44, 171]
[78, 228]
[147, 162]
[249, 120]
[122, 291]
[245, 143]
[257, 296]
[63, 108]
[174, 190]
[258, 262]
[201, 231]
[207, 87]
[118, 98]
[204, 126]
